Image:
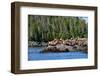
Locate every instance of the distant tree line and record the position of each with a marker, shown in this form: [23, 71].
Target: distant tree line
[47, 28]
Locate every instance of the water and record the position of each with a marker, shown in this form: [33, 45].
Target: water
[34, 54]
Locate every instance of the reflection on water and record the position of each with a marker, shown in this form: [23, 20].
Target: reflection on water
[34, 54]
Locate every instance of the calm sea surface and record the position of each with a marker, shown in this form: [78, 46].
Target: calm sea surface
[34, 54]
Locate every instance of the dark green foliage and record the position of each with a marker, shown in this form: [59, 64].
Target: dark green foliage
[47, 28]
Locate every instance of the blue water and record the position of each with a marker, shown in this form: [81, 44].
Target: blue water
[34, 54]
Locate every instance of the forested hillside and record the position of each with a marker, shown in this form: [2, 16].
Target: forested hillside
[47, 28]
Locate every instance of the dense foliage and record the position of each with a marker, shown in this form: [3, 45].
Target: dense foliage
[47, 28]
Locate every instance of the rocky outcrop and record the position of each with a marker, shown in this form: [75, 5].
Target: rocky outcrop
[37, 44]
[59, 45]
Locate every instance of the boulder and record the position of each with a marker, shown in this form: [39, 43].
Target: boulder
[62, 48]
[81, 48]
[70, 48]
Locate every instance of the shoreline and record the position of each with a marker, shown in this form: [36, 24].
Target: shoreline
[60, 45]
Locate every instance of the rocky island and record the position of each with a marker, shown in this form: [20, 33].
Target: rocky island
[60, 45]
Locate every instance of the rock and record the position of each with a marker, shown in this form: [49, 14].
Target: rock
[70, 48]
[60, 45]
[81, 48]
[44, 44]
[57, 48]
[37, 44]
[49, 49]
[32, 43]
[62, 48]
[56, 42]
